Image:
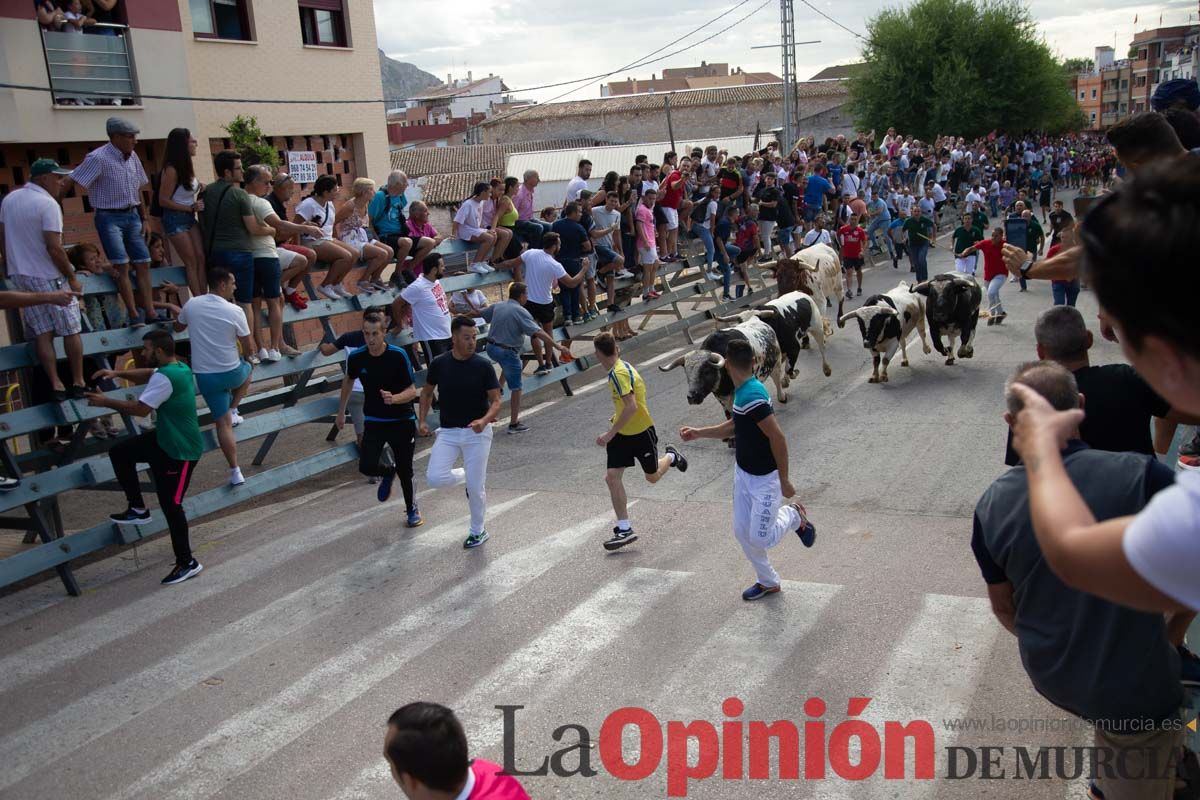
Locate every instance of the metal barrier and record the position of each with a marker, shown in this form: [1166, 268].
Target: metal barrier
[90, 68]
[295, 394]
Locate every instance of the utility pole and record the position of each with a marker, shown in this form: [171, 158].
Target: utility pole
[791, 104]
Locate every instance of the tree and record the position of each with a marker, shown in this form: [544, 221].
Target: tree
[1074, 66]
[248, 139]
[962, 67]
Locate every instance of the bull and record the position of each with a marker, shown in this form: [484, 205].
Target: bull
[886, 322]
[704, 366]
[795, 318]
[952, 309]
[825, 277]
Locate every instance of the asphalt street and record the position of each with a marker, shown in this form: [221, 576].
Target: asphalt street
[272, 674]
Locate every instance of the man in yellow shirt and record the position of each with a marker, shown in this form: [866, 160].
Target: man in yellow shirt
[631, 437]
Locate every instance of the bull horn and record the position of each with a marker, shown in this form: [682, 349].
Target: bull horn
[812, 269]
[678, 362]
[733, 318]
[716, 359]
[884, 308]
[764, 313]
[915, 286]
[855, 313]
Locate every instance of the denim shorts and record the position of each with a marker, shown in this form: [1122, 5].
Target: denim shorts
[241, 264]
[217, 388]
[784, 234]
[174, 222]
[121, 236]
[605, 255]
[266, 278]
[510, 364]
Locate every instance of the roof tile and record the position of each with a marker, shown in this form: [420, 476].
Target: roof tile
[418, 162]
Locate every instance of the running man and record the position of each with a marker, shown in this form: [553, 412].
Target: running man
[760, 476]
[470, 403]
[630, 438]
[388, 393]
[171, 450]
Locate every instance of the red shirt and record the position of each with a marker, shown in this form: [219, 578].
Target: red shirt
[993, 258]
[672, 197]
[491, 785]
[852, 237]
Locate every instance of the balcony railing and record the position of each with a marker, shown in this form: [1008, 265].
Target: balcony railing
[91, 68]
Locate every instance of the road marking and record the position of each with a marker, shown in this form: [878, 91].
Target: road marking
[106, 709]
[205, 767]
[544, 666]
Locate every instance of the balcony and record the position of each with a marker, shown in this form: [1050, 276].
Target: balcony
[88, 69]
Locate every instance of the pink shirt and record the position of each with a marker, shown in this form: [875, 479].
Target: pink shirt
[491, 785]
[422, 230]
[645, 219]
[524, 202]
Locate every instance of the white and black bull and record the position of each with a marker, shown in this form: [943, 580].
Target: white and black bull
[826, 267]
[705, 366]
[886, 322]
[952, 309]
[795, 318]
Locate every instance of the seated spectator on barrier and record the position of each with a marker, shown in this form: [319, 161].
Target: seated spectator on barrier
[573, 248]
[424, 234]
[170, 450]
[351, 225]
[468, 226]
[1103, 662]
[511, 322]
[606, 223]
[299, 259]
[103, 312]
[528, 226]
[505, 220]
[229, 224]
[468, 302]
[113, 177]
[35, 261]
[386, 212]
[426, 300]
[548, 215]
[268, 264]
[318, 209]
[426, 749]
[222, 376]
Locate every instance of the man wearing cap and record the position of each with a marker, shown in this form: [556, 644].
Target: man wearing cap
[35, 261]
[114, 177]
[1177, 93]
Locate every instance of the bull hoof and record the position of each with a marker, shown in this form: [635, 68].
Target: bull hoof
[825, 368]
[872, 379]
[841, 323]
[793, 374]
[883, 378]
[783, 397]
[950, 361]
[966, 352]
[904, 363]
[927, 349]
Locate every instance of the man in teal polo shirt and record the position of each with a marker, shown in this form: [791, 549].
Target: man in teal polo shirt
[171, 450]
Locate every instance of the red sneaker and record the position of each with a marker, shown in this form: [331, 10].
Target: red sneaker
[297, 300]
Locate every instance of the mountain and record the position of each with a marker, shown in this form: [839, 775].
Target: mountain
[401, 80]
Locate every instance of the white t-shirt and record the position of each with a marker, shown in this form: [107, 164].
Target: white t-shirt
[1163, 542]
[574, 187]
[319, 215]
[974, 197]
[26, 214]
[158, 390]
[541, 271]
[939, 194]
[850, 185]
[431, 312]
[470, 214]
[214, 325]
[467, 299]
[817, 237]
[262, 246]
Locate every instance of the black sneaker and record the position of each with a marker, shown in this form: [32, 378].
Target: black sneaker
[385, 487]
[59, 395]
[620, 538]
[76, 392]
[182, 572]
[519, 427]
[8, 484]
[130, 517]
[860, 291]
[680, 461]
[806, 530]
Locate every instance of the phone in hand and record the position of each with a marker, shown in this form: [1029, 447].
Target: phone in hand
[1016, 231]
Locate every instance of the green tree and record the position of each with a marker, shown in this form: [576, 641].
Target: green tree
[1073, 66]
[959, 67]
[248, 139]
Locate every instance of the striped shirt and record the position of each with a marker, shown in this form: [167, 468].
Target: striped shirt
[524, 203]
[112, 180]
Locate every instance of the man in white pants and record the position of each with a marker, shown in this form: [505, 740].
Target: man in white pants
[470, 402]
[760, 477]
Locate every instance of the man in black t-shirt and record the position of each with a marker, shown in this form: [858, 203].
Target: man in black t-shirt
[470, 402]
[1120, 405]
[1060, 218]
[388, 393]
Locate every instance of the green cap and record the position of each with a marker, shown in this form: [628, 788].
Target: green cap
[47, 166]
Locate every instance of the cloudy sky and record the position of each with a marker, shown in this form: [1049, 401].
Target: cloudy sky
[532, 43]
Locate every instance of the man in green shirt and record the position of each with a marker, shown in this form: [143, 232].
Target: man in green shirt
[966, 235]
[228, 223]
[171, 450]
[1035, 239]
[922, 235]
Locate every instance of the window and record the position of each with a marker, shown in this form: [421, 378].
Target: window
[323, 22]
[1124, 83]
[1093, 94]
[221, 19]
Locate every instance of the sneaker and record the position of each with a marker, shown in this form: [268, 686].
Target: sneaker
[475, 539]
[680, 462]
[264, 354]
[620, 538]
[182, 572]
[758, 592]
[991, 321]
[59, 395]
[479, 268]
[365, 286]
[519, 427]
[137, 320]
[1000, 317]
[576, 320]
[806, 530]
[1189, 462]
[726, 298]
[235, 417]
[8, 484]
[385, 487]
[623, 275]
[273, 355]
[860, 291]
[235, 477]
[713, 276]
[131, 517]
[297, 300]
[413, 519]
[379, 286]
[327, 292]
[849, 296]
[289, 351]
[254, 358]
[76, 392]
[342, 291]
[544, 369]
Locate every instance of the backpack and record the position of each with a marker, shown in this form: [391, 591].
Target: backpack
[387, 207]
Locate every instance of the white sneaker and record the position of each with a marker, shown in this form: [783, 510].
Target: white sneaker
[623, 275]
[235, 477]
[479, 268]
[342, 291]
[265, 355]
[235, 417]
[328, 292]
[714, 276]
[273, 355]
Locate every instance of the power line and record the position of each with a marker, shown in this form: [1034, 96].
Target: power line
[851, 31]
